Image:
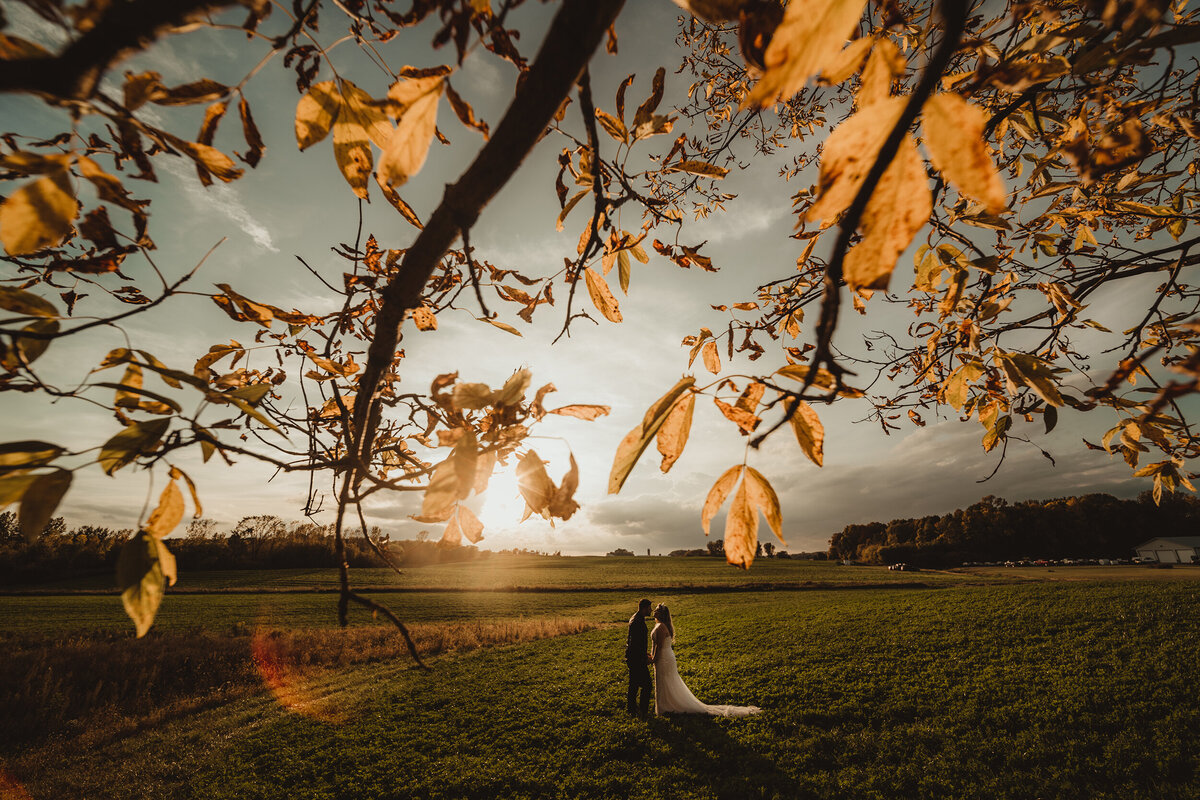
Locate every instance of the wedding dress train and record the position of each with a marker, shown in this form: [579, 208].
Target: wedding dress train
[672, 696]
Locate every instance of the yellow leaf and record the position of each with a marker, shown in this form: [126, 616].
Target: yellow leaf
[613, 126]
[673, 435]
[810, 37]
[359, 108]
[585, 412]
[465, 456]
[717, 494]
[452, 534]
[483, 470]
[638, 439]
[558, 225]
[849, 153]
[741, 529]
[405, 154]
[38, 215]
[602, 296]
[168, 513]
[143, 568]
[178, 473]
[40, 501]
[442, 493]
[131, 442]
[513, 390]
[562, 504]
[316, 112]
[469, 524]
[712, 358]
[884, 66]
[352, 150]
[898, 208]
[25, 303]
[953, 130]
[847, 62]
[762, 496]
[810, 433]
[504, 326]
[471, 395]
[535, 485]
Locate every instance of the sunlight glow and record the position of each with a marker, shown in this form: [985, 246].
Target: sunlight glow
[503, 504]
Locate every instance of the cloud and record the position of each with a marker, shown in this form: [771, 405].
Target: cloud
[219, 198]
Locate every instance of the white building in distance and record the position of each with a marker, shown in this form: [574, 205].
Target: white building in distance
[1171, 549]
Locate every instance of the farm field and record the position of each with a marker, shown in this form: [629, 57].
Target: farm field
[525, 572]
[1034, 689]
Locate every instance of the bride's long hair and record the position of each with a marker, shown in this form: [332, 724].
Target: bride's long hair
[663, 615]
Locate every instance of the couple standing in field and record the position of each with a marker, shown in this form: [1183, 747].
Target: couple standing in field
[671, 694]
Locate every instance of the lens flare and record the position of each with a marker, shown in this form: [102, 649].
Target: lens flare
[292, 688]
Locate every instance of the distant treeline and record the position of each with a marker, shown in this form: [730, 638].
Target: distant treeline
[256, 542]
[1091, 526]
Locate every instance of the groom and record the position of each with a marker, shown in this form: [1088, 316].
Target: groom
[638, 661]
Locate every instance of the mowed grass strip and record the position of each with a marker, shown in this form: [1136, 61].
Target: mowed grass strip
[1016, 691]
[545, 573]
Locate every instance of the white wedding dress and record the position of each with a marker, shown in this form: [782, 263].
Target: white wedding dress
[672, 696]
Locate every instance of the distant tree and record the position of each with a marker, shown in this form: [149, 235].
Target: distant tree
[717, 548]
[769, 549]
[620, 551]
[201, 528]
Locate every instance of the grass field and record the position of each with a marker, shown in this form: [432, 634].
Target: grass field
[522, 572]
[1006, 690]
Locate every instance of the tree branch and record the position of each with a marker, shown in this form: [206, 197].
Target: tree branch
[126, 26]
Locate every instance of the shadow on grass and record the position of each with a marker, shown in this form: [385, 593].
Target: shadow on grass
[714, 761]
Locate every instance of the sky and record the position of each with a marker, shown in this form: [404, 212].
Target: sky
[297, 204]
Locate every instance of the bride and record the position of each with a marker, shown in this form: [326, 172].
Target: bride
[671, 694]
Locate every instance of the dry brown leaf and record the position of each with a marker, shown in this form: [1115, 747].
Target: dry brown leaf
[741, 529]
[469, 524]
[585, 412]
[899, 207]
[717, 494]
[810, 37]
[673, 435]
[471, 395]
[602, 296]
[953, 130]
[849, 153]
[810, 433]
[762, 496]
[424, 318]
[712, 357]
[38, 215]
[168, 514]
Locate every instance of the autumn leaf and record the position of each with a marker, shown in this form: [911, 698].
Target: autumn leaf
[441, 495]
[847, 61]
[39, 214]
[701, 168]
[144, 566]
[638, 439]
[848, 155]
[741, 529]
[584, 412]
[810, 433]
[602, 296]
[469, 524]
[673, 435]
[134, 440]
[810, 37]
[899, 207]
[954, 135]
[316, 112]
[534, 484]
[40, 500]
[167, 514]
[424, 318]
[712, 357]
[466, 115]
[884, 65]
[717, 494]
[762, 496]
[405, 154]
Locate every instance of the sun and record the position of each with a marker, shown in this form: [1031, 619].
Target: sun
[503, 505]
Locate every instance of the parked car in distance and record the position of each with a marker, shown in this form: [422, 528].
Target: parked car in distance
[1145, 560]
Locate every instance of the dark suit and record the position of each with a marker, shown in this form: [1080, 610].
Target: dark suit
[639, 670]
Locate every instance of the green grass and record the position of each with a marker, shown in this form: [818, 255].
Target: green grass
[1038, 690]
[545, 572]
